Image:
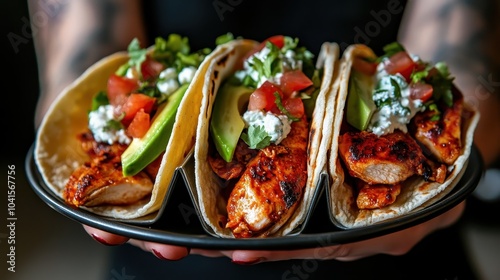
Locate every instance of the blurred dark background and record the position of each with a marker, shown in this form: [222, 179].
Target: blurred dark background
[21, 78]
[44, 239]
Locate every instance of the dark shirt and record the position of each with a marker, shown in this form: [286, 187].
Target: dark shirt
[374, 23]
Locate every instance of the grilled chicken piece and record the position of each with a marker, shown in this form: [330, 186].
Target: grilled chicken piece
[440, 137]
[231, 170]
[388, 159]
[376, 196]
[103, 183]
[99, 151]
[271, 186]
[100, 181]
[433, 171]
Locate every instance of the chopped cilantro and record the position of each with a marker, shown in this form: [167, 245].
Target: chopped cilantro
[257, 137]
[441, 82]
[282, 108]
[222, 39]
[433, 107]
[100, 99]
[397, 88]
[175, 52]
[421, 75]
[113, 125]
[390, 50]
[137, 54]
[274, 61]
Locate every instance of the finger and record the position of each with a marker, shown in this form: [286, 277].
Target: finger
[253, 257]
[397, 243]
[211, 253]
[162, 251]
[401, 242]
[104, 237]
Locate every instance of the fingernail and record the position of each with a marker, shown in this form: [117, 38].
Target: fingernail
[250, 262]
[161, 257]
[100, 240]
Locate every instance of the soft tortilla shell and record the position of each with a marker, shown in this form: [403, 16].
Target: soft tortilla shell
[415, 193]
[208, 185]
[58, 153]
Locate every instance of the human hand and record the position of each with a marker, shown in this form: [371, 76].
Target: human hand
[397, 243]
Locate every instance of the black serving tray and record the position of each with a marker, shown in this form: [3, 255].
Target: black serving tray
[178, 223]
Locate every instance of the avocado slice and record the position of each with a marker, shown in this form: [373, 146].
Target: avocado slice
[226, 123]
[143, 151]
[360, 105]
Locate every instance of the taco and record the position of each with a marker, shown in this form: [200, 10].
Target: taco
[111, 141]
[401, 135]
[258, 135]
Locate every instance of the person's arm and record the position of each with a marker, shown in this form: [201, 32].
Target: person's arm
[70, 36]
[465, 35]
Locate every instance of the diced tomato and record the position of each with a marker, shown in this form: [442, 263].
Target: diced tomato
[263, 98]
[363, 66]
[151, 68]
[135, 103]
[421, 91]
[292, 81]
[139, 125]
[277, 40]
[119, 88]
[401, 63]
[294, 106]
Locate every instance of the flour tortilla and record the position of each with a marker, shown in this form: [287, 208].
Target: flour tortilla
[208, 185]
[415, 192]
[58, 152]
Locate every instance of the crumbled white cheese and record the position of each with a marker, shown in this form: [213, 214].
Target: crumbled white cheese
[99, 125]
[167, 81]
[397, 113]
[288, 62]
[186, 75]
[276, 126]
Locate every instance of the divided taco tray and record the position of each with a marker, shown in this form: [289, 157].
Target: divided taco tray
[177, 221]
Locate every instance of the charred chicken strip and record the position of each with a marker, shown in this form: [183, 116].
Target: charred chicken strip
[100, 184]
[376, 196]
[99, 151]
[100, 181]
[440, 137]
[233, 169]
[433, 171]
[388, 159]
[271, 186]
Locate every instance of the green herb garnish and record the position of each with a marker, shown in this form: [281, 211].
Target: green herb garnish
[257, 137]
[282, 108]
[100, 99]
